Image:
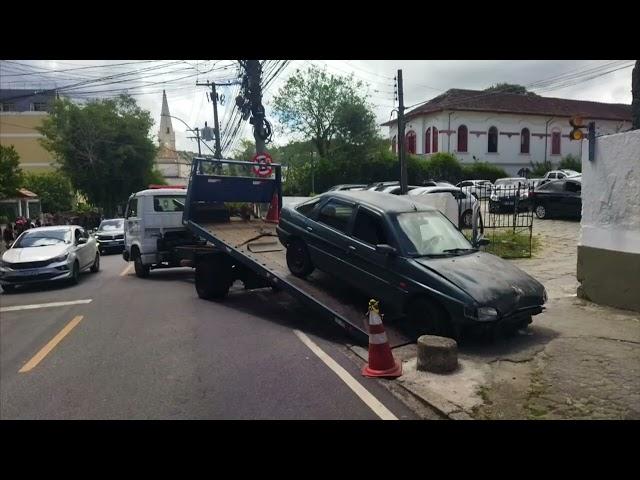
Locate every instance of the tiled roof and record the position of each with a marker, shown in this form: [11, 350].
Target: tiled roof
[500, 102]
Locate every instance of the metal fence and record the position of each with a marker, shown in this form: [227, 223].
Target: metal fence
[504, 216]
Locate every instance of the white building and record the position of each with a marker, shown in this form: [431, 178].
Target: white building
[505, 129]
[174, 169]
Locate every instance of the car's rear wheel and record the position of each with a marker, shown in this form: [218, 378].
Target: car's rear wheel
[75, 273]
[142, 270]
[96, 264]
[467, 219]
[213, 278]
[541, 212]
[298, 259]
[8, 288]
[429, 318]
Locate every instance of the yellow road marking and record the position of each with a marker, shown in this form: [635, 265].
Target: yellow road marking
[44, 351]
[126, 270]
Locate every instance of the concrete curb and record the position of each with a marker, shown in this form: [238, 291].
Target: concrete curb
[433, 400]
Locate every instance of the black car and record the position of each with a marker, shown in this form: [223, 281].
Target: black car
[409, 256]
[110, 235]
[558, 198]
[507, 193]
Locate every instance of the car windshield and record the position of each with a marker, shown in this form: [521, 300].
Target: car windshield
[43, 238]
[431, 233]
[109, 225]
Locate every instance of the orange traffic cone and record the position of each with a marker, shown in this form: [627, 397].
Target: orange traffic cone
[381, 361]
[273, 215]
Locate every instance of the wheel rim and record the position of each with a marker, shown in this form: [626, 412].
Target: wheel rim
[466, 219]
[540, 211]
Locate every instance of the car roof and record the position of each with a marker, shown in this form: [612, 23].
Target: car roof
[512, 178]
[161, 191]
[439, 189]
[53, 227]
[386, 203]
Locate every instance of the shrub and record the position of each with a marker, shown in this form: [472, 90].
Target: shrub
[445, 166]
[540, 168]
[483, 171]
[571, 163]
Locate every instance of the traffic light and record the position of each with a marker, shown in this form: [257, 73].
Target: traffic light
[576, 133]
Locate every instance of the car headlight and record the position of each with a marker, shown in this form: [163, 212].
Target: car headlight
[61, 258]
[486, 314]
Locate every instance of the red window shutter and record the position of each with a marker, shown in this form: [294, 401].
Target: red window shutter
[435, 139]
[525, 137]
[555, 143]
[462, 138]
[427, 141]
[411, 142]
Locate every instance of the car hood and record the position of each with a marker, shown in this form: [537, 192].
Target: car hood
[489, 280]
[34, 254]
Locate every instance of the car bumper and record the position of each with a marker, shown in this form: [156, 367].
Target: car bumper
[34, 275]
[110, 244]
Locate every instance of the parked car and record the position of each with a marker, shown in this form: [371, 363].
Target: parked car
[559, 175]
[47, 254]
[110, 235]
[458, 204]
[379, 186]
[505, 193]
[558, 198]
[534, 182]
[481, 188]
[409, 256]
[395, 189]
[347, 186]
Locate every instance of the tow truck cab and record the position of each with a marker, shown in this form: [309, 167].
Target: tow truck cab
[153, 228]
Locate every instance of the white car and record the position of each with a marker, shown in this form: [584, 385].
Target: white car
[454, 202]
[47, 254]
[481, 188]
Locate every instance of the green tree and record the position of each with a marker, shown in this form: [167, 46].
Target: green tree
[510, 88]
[54, 190]
[104, 148]
[321, 106]
[11, 176]
[571, 163]
[540, 168]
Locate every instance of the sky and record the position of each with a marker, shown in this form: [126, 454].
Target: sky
[594, 80]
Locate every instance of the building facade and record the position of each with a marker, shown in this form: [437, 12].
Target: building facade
[508, 130]
[174, 169]
[21, 112]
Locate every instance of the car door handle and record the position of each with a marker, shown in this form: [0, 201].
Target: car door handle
[351, 249]
[309, 229]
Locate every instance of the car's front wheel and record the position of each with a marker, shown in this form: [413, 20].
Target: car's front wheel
[75, 273]
[142, 270]
[541, 212]
[428, 318]
[96, 264]
[467, 219]
[298, 259]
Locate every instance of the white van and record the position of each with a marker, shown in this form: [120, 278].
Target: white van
[153, 229]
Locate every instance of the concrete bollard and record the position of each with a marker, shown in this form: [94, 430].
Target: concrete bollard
[437, 354]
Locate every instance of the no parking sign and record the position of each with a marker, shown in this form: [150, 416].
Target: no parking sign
[262, 166]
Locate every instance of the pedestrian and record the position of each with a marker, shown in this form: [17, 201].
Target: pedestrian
[7, 236]
[38, 223]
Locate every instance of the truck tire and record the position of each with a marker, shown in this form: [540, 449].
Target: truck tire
[429, 318]
[298, 259]
[142, 270]
[213, 278]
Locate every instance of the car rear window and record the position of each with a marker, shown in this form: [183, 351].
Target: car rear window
[168, 203]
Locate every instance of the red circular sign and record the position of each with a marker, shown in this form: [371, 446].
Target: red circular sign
[263, 166]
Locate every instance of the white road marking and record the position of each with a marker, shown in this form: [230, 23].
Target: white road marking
[372, 402]
[126, 270]
[44, 305]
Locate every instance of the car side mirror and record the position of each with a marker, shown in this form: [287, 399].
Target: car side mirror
[482, 242]
[82, 240]
[386, 249]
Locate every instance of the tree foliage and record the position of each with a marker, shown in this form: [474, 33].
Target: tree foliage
[322, 107]
[11, 176]
[103, 147]
[53, 188]
[510, 88]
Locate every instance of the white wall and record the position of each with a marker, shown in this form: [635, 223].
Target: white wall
[611, 194]
[508, 155]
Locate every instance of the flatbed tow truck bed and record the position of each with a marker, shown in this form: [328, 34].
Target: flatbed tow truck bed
[254, 244]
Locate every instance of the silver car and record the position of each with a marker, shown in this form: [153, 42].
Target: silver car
[49, 254]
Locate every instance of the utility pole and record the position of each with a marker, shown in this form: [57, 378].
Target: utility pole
[197, 137]
[254, 94]
[401, 139]
[216, 126]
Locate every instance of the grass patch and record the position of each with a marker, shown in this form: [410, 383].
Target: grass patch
[506, 243]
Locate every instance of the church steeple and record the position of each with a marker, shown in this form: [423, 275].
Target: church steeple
[166, 135]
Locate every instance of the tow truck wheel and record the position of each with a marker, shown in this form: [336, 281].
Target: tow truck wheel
[142, 270]
[212, 279]
[8, 288]
[429, 318]
[298, 259]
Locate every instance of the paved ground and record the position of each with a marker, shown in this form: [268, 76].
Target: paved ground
[150, 349]
[578, 360]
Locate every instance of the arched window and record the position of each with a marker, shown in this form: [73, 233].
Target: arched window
[462, 138]
[435, 139]
[555, 143]
[411, 141]
[427, 141]
[492, 141]
[525, 140]
[393, 144]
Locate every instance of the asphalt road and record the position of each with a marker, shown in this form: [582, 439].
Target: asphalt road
[151, 349]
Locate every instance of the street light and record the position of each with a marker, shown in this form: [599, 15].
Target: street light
[191, 130]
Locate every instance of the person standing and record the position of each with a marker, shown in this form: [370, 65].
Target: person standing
[8, 236]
